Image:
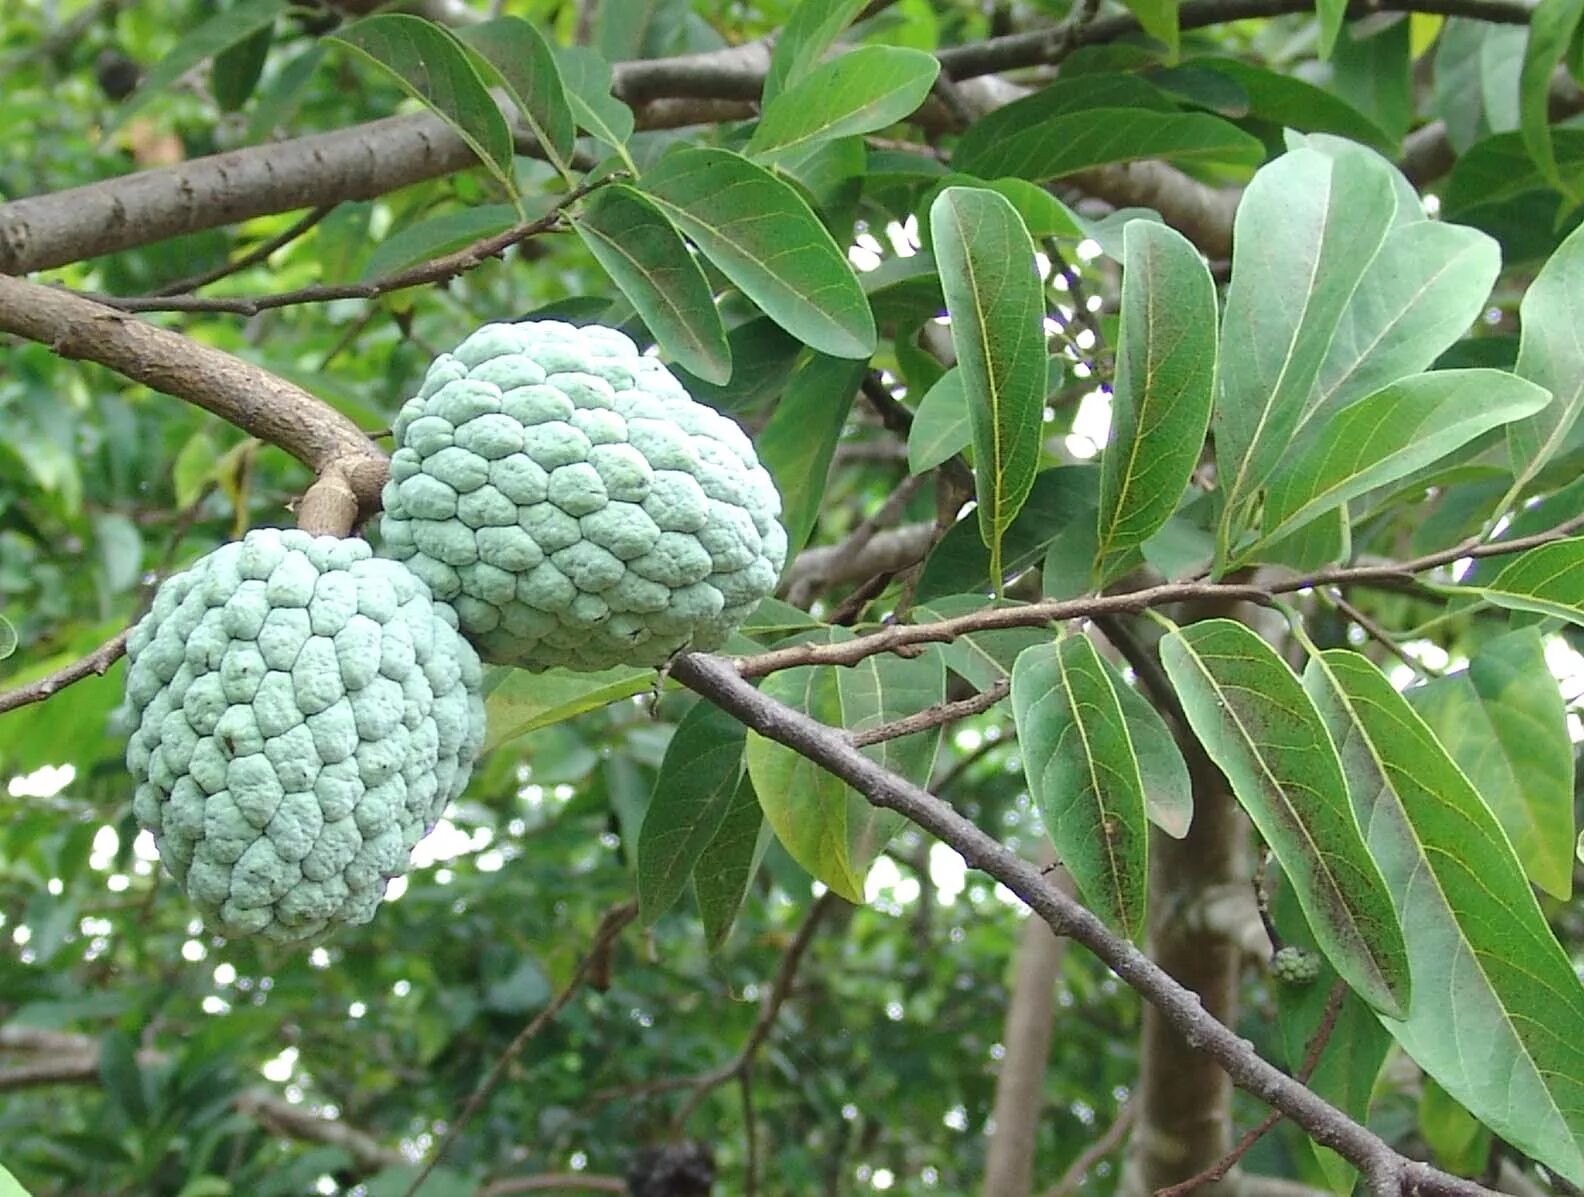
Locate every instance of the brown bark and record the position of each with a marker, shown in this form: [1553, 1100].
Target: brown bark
[1020, 1087]
[350, 468]
[1184, 1096]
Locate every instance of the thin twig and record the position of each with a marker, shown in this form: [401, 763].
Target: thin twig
[588, 1182]
[940, 631]
[941, 712]
[95, 664]
[1095, 1152]
[610, 926]
[435, 270]
[1253, 1135]
[1378, 634]
[253, 256]
[703, 1084]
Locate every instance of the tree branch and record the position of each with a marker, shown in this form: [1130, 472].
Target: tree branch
[579, 1181]
[1095, 1152]
[372, 159]
[253, 257]
[934, 716]
[435, 270]
[349, 468]
[940, 631]
[1386, 1170]
[95, 664]
[780, 990]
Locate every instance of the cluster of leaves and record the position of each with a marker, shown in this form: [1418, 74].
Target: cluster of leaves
[1352, 415]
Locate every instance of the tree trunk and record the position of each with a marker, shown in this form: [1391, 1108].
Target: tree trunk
[1020, 1086]
[1184, 1097]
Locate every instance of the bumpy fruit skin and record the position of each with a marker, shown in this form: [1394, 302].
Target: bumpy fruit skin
[1294, 966]
[565, 495]
[302, 714]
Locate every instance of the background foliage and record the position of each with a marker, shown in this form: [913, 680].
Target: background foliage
[174, 1053]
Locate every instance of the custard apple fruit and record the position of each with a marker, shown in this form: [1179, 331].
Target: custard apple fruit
[565, 495]
[302, 713]
[1294, 966]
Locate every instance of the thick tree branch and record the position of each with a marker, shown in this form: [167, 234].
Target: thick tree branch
[349, 468]
[381, 156]
[152, 205]
[1385, 1170]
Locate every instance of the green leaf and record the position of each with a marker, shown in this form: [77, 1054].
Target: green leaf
[1551, 353]
[996, 302]
[517, 702]
[797, 445]
[8, 638]
[1061, 497]
[1548, 580]
[526, 65]
[763, 237]
[1165, 382]
[1331, 13]
[762, 357]
[728, 863]
[437, 235]
[122, 1076]
[1552, 25]
[1258, 725]
[120, 550]
[807, 807]
[1082, 773]
[1306, 231]
[235, 71]
[692, 795]
[860, 92]
[1355, 1047]
[1064, 97]
[9, 1185]
[1292, 103]
[827, 827]
[1091, 121]
[432, 66]
[1495, 997]
[1424, 289]
[1168, 790]
[1459, 1142]
[218, 33]
[193, 468]
[941, 428]
[882, 689]
[642, 251]
[811, 29]
[1374, 71]
[1159, 20]
[1504, 722]
[282, 96]
[587, 79]
[1385, 436]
